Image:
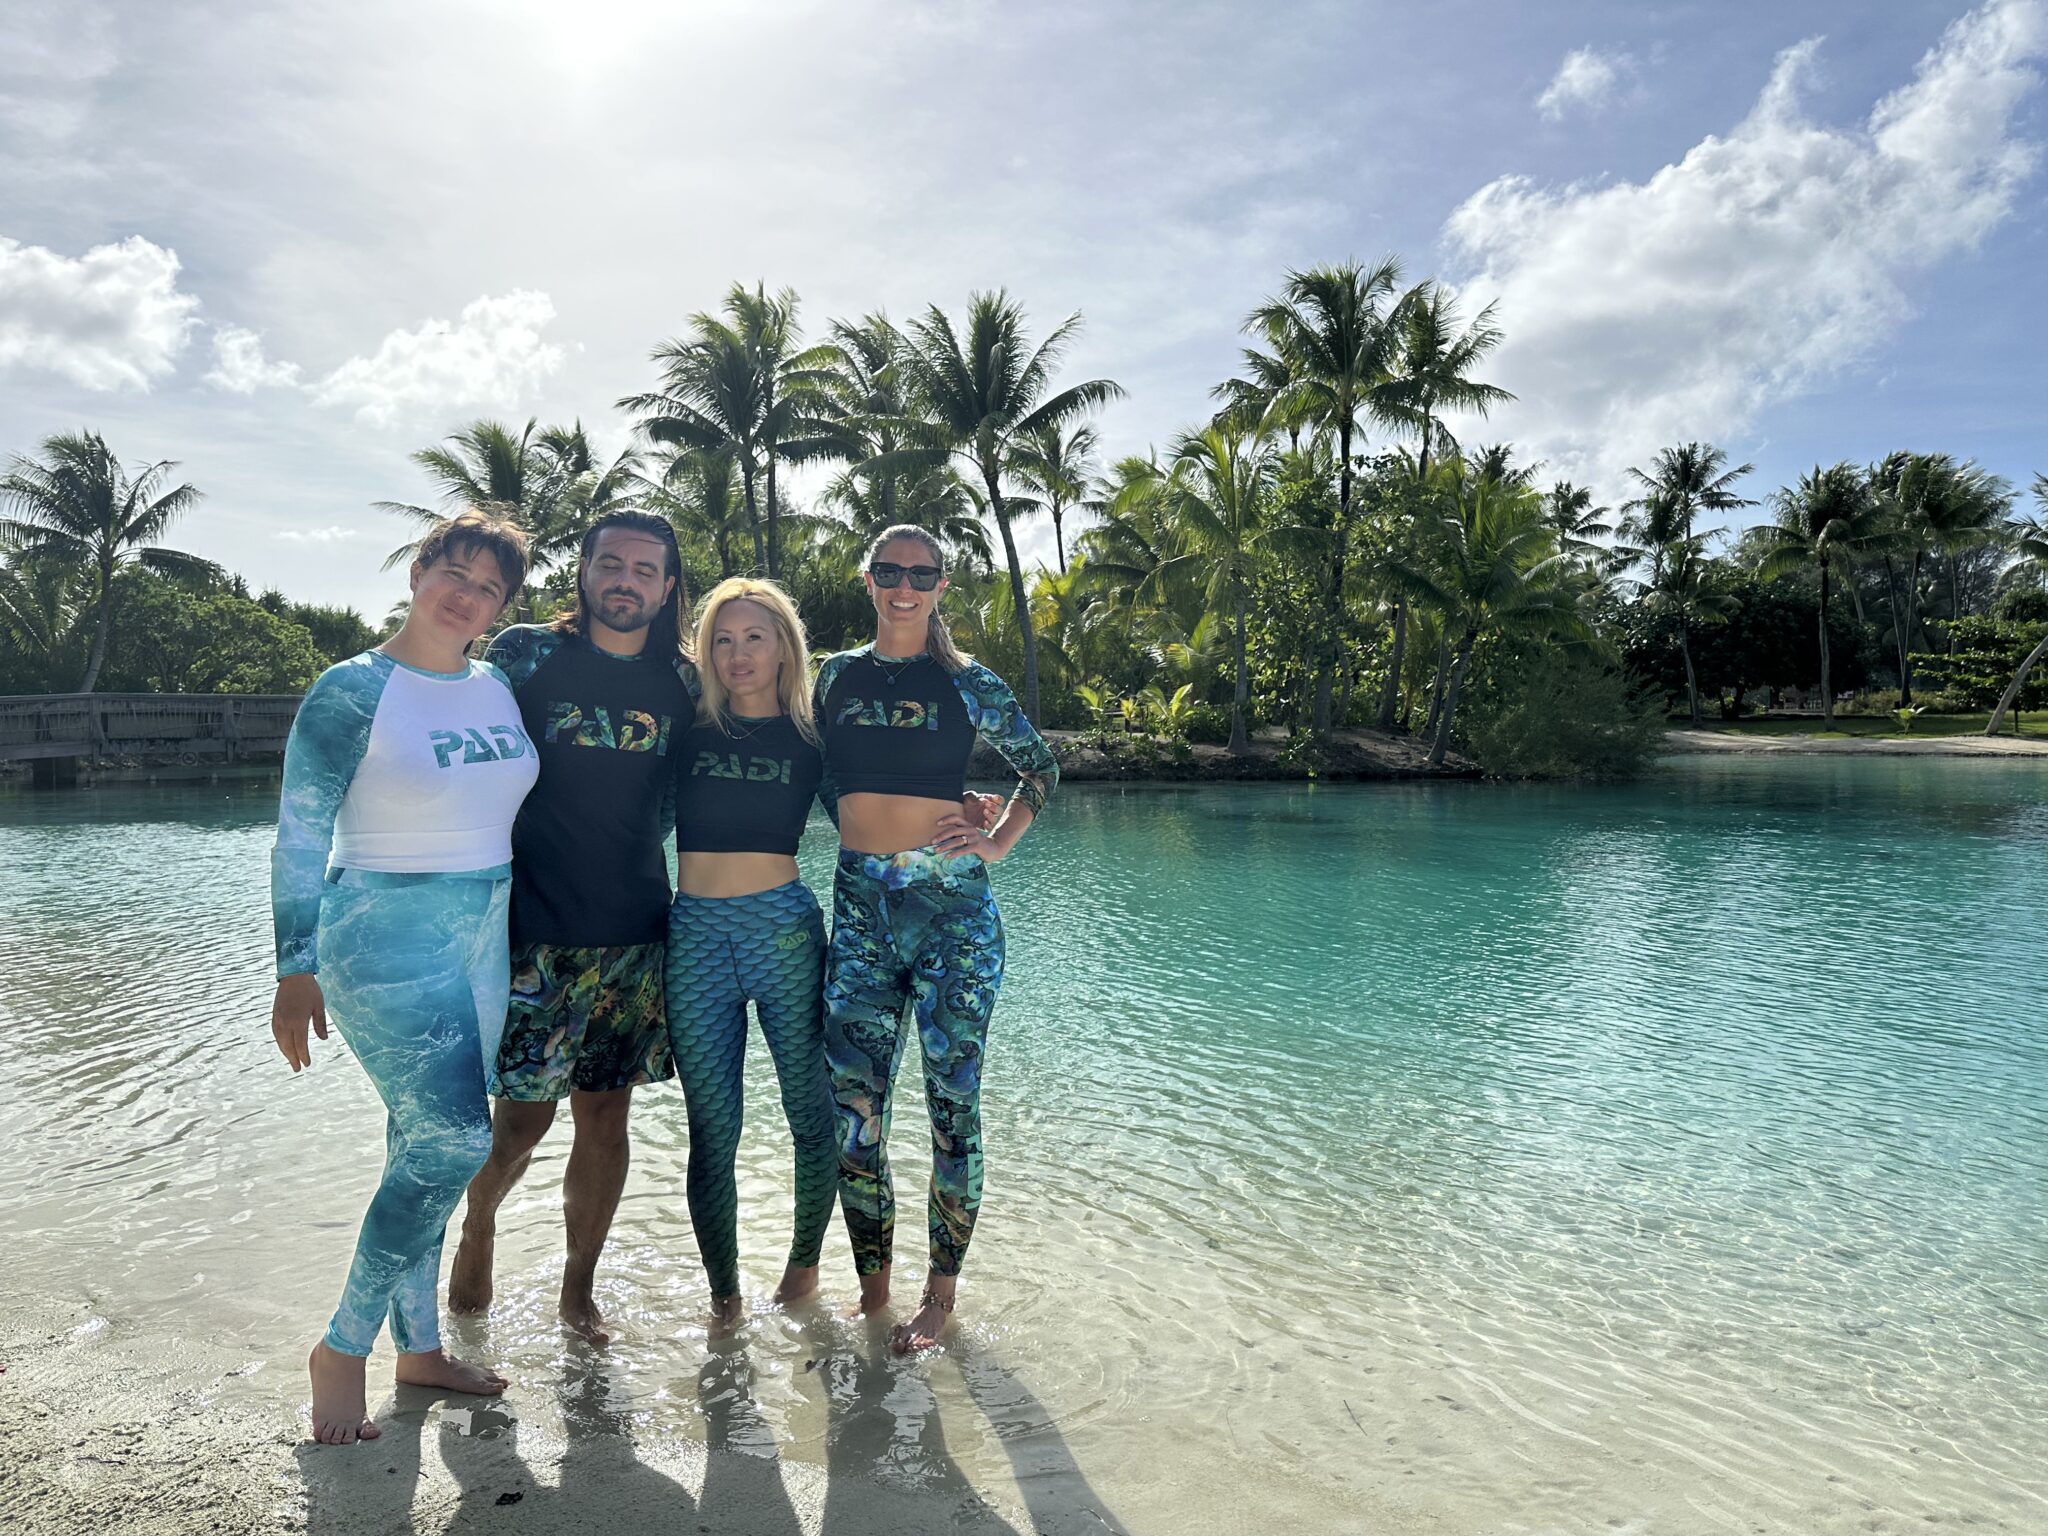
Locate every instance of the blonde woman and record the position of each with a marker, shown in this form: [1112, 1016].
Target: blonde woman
[744, 928]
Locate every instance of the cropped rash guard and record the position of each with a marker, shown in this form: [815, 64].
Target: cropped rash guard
[908, 728]
[399, 770]
[746, 788]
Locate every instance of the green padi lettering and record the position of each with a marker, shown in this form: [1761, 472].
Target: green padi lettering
[476, 747]
[726, 765]
[638, 731]
[902, 714]
[562, 716]
[597, 731]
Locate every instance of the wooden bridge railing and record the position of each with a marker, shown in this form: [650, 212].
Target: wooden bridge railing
[226, 726]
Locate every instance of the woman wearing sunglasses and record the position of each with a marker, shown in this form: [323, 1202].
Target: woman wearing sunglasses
[913, 919]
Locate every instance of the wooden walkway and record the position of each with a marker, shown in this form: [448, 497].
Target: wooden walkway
[49, 728]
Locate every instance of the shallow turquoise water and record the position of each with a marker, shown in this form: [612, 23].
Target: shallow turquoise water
[1669, 1155]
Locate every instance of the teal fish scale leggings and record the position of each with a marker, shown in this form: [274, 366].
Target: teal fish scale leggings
[916, 929]
[415, 972]
[722, 952]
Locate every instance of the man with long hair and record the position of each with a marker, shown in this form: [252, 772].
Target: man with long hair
[605, 693]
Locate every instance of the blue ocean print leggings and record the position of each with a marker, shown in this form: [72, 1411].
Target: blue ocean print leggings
[918, 928]
[722, 951]
[415, 970]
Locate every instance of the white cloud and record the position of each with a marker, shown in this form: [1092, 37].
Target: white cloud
[493, 356]
[1639, 314]
[110, 319]
[239, 365]
[1587, 79]
[331, 535]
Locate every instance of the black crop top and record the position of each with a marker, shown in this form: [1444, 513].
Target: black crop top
[747, 791]
[908, 728]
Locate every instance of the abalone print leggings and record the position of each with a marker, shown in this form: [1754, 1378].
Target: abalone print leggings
[415, 970]
[917, 928]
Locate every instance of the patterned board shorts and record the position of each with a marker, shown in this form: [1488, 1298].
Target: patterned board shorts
[583, 1018]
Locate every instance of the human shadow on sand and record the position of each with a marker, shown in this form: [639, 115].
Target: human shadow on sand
[888, 1465]
[601, 1482]
[885, 1421]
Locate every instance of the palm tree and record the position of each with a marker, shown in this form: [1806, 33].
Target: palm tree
[1058, 464]
[1681, 483]
[979, 400]
[1333, 327]
[1431, 377]
[742, 385]
[41, 602]
[1932, 506]
[1492, 565]
[1575, 520]
[1218, 490]
[697, 491]
[77, 506]
[1683, 588]
[2030, 544]
[1822, 521]
[543, 480]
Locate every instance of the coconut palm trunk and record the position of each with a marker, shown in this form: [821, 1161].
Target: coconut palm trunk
[1436, 689]
[102, 629]
[1333, 600]
[2011, 695]
[1017, 593]
[1451, 697]
[1827, 692]
[1240, 737]
[1692, 682]
[753, 515]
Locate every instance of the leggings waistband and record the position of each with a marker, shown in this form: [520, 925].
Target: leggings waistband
[780, 904]
[913, 866]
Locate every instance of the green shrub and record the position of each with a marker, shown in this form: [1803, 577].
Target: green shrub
[1551, 713]
[1208, 724]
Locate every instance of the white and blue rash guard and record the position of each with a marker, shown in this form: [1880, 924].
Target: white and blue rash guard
[395, 769]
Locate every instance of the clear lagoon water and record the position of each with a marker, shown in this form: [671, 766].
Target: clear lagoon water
[1671, 1157]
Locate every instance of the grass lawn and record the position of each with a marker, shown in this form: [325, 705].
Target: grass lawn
[2033, 726]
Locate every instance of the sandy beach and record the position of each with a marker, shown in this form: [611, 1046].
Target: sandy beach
[1682, 742]
[110, 1427]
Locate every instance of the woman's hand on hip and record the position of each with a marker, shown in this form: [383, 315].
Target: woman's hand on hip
[957, 835]
[297, 1003]
[982, 810]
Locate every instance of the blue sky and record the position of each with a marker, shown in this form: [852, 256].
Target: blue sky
[286, 244]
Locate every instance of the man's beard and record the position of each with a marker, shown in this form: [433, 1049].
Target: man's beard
[637, 614]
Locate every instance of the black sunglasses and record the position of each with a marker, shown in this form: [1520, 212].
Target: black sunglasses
[888, 573]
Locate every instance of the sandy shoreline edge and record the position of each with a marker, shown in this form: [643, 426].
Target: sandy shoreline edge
[109, 1431]
[1689, 743]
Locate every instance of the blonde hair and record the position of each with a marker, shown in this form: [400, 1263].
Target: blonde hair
[792, 684]
[938, 638]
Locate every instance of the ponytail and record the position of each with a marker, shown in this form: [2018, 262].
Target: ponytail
[939, 641]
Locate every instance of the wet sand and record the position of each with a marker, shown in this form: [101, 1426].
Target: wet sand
[107, 1427]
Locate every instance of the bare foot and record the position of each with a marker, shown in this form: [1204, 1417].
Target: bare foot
[874, 1293]
[727, 1312]
[469, 1281]
[580, 1315]
[935, 1310]
[340, 1414]
[798, 1281]
[438, 1368]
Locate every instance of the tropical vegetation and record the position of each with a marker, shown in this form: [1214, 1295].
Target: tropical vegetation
[1318, 550]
